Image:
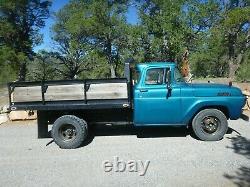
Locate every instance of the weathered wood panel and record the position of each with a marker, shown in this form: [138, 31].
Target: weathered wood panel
[65, 92]
[107, 91]
[26, 94]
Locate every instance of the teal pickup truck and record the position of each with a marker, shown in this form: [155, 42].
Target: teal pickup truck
[155, 94]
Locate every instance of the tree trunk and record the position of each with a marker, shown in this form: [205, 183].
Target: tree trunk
[110, 60]
[22, 72]
[112, 71]
[233, 67]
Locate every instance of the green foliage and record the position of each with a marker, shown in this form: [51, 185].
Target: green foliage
[93, 38]
[214, 33]
[92, 27]
[243, 72]
[42, 67]
[237, 16]
[164, 29]
[224, 42]
[20, 21]
[8, 69]
[7, 74]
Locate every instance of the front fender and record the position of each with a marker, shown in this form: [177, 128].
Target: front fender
[191, 108]
[233, 105]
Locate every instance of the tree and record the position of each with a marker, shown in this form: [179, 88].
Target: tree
[42, 67]
[93, 37]
[236, 26]
[165, 31]
[20, 21]
[100, 25]
[223, 38]
[173, 27]
[72, 48]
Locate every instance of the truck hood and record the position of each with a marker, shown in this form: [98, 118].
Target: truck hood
[213, 90]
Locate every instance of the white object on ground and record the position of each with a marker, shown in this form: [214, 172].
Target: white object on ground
[22, 115]
[3, 118]
[4, 109]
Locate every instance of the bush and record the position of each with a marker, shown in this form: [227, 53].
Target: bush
[7, 74]
[243, 73]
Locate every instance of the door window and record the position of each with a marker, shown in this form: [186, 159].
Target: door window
[154, 76]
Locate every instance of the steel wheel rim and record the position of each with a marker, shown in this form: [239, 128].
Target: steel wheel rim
[67, 132]
[210, 124]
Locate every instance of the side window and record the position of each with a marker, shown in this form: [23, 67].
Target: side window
[154, 76]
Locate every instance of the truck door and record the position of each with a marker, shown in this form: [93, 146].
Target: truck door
[153, 105]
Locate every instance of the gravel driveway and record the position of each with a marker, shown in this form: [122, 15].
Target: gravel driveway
[175, 158]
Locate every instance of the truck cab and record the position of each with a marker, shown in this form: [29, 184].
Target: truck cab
[156, 100]
[162, 97]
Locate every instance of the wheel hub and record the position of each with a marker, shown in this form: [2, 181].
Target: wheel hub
[210, 124]
[67, 132]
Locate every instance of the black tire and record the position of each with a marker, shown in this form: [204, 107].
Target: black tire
[210, 125]
[69, 132]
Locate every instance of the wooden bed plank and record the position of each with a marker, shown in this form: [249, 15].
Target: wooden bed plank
[27, 94]
[107, 91]
[65, 92]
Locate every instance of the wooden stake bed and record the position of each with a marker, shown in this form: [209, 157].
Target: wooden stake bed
[106, 93]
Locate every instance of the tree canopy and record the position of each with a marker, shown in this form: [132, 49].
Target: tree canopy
[20, 21]
[93, 37]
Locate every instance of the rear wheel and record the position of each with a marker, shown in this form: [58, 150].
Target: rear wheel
[69, 131]
[210, 125]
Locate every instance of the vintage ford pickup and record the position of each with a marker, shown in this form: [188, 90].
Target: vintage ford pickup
[155, 94]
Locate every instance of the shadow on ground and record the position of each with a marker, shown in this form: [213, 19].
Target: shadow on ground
[146, 132]
[141, 132]
[241, 146]
[128, 130]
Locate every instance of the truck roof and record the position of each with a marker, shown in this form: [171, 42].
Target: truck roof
[155, 64]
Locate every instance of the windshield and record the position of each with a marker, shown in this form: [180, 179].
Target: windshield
[177, 76]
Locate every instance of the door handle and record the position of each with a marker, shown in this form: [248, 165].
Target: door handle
[143, 90]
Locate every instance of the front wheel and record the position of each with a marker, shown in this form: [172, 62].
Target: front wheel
[69, 131]
[210, 125]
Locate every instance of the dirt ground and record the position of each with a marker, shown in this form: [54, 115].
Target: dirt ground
[175, 158]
